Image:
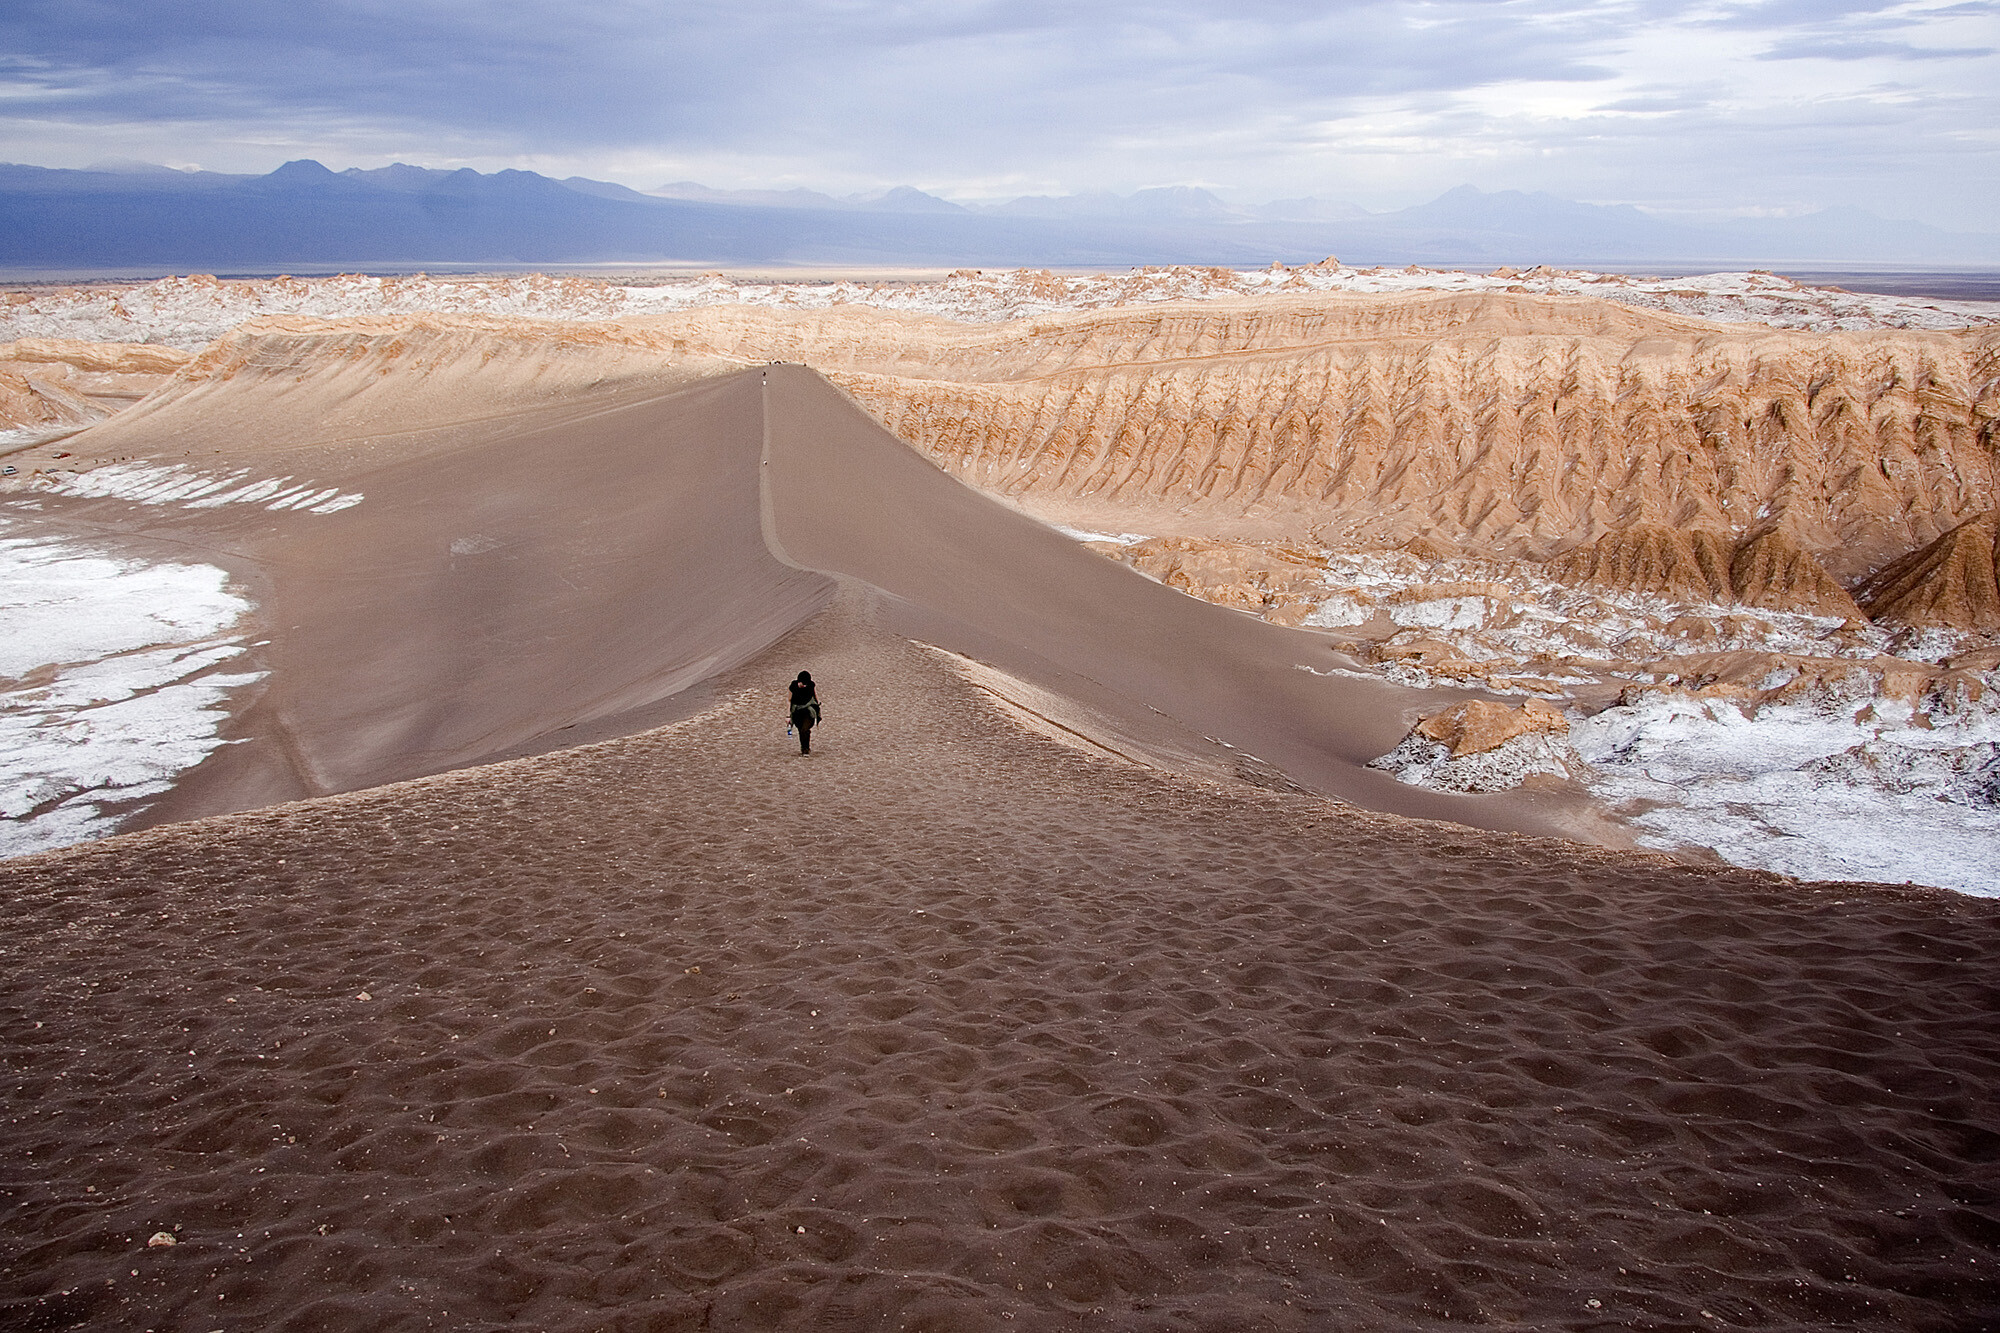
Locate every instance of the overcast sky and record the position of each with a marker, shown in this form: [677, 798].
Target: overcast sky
[1772, 106]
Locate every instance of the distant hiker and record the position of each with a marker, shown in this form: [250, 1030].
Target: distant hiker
[805, 710]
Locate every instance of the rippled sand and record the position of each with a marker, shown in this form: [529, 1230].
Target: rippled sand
[952, 1026]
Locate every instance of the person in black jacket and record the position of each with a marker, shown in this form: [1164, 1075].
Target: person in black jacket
[805, 710]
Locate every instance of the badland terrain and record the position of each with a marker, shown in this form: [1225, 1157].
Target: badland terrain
[1264, 864]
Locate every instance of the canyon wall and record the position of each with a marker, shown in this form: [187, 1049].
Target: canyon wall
[1508, 426]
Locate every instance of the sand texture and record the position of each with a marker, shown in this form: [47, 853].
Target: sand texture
[1067, 984]
[952, 1027]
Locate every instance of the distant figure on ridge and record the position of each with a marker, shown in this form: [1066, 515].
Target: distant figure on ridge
[805, 710]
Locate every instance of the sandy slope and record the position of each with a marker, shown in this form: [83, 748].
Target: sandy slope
[560, 556]
[952, 1027]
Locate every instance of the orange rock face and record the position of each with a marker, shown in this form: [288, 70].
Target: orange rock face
[1495, 424]
[1953, 583]
[1477, 726]
[1770, 569]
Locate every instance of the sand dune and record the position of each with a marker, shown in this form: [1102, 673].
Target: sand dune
[1051, 992]
[1853, 450]
[952, 1027]
[513, 580]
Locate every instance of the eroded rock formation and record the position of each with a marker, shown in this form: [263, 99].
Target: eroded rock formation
[1507, 425]
[1770, 569]
[1952, 583]
[49, 383]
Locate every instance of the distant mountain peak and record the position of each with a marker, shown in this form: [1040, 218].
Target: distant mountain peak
[909, 199]
[301, 169]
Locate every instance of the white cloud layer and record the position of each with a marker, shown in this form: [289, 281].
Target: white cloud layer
[1775, 105]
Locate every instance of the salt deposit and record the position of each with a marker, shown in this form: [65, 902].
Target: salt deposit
[149, 483]
[1782, 789]
[190, 312]
[111, 683]
[1799, 769]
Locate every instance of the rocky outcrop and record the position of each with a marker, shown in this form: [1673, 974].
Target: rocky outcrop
[1281, 581]
[1476, 726]
[1953, 583]
[52, 383]
[1770, 569]
[1482, 746]
[1674, 563]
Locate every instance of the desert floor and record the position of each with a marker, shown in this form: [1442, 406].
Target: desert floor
[950, 1026]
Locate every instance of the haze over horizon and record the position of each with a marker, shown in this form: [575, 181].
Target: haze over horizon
[1767, 108]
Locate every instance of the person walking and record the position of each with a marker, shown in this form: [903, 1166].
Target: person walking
[805, 710]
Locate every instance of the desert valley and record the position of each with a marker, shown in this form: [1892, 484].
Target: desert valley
[1722, 549]
[1349, 798]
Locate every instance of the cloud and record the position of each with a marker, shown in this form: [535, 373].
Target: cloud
[1860, 48]
[637, 72]
[1382, 101]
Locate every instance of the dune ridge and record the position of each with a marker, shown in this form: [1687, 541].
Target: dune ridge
[530, 546]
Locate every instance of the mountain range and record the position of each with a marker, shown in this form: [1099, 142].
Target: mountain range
[305, 216]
